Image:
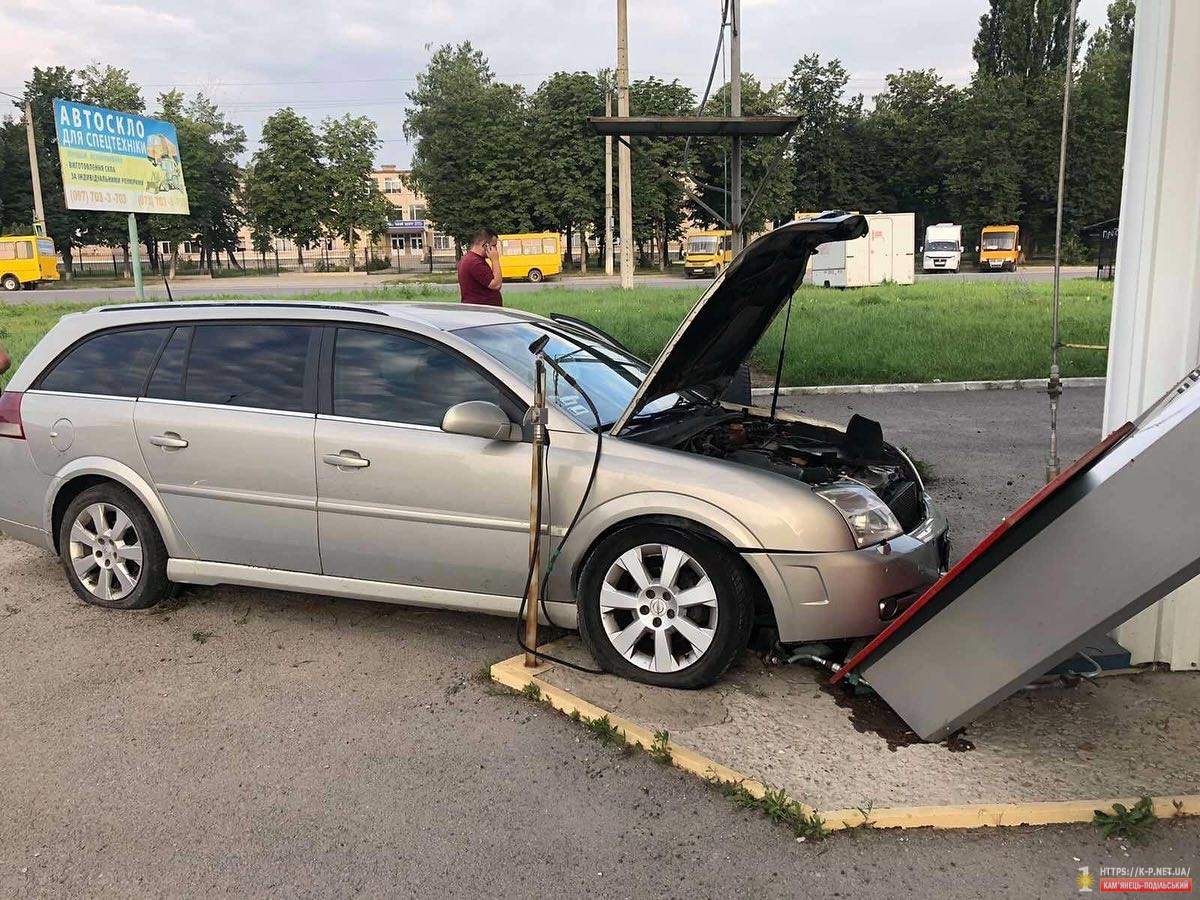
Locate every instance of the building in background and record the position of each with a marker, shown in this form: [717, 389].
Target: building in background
[410, 242]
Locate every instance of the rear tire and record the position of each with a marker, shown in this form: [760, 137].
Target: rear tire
[10, 283]
[111, 550]
[664, 606]
[535, 276]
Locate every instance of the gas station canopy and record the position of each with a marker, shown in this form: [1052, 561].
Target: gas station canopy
[694, 126]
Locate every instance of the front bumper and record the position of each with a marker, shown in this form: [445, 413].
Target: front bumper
[853, 593]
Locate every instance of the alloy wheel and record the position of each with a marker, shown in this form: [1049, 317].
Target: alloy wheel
[106, 551]
[658, 608]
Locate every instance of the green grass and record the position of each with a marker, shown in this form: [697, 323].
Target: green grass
[924, 332]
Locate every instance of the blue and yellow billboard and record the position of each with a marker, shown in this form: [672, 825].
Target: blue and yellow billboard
[118, 162]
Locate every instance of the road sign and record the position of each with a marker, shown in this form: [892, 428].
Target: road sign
[118, 162]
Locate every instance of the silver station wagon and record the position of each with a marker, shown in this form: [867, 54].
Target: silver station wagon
[380, 452]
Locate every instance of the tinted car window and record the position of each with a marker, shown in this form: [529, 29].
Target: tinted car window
[248, 365]
[392, 378]
[114, 363]
[167, 381]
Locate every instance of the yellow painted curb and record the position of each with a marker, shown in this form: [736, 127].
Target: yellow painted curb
[513, 673]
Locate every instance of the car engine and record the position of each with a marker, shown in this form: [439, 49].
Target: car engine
[817, 455]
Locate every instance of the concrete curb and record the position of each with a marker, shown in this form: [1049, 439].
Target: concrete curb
[931, 387]
[512, 673]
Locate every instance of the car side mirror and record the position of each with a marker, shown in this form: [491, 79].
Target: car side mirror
[480, 418]
[1018, 248]
[921, 249]
[976, 248]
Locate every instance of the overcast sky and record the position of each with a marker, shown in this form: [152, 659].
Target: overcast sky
[359, 56]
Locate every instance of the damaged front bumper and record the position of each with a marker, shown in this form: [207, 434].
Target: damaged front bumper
[853, 593]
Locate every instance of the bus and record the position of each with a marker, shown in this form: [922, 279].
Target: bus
[707, 252]
[999, 248]
[26, 260]
[535, 256]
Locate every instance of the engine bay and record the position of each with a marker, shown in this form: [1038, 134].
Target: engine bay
[817, 455]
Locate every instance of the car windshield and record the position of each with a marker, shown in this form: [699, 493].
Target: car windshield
[608, 376]
[999, 241]
[702, 246]
[942, 246]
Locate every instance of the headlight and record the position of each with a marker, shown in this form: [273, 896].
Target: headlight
[868, 517]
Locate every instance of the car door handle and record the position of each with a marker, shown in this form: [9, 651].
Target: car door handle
[345, 459]
[168, 441]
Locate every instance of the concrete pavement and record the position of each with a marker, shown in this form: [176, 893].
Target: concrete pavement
[237, 742]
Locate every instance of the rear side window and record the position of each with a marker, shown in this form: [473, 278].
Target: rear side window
[261, 366]
[114, 363]
[167, 381]
[392, 378]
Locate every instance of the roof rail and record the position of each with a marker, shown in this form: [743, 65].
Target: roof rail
[244, 304]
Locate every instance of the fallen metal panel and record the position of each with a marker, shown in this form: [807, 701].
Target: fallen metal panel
[1109, 537]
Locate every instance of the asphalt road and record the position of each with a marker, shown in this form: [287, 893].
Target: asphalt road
[237, 742]
[269, 286]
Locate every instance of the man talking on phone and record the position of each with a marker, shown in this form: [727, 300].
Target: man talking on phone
[479, 277]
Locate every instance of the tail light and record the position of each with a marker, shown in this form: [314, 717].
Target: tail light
[10, 416]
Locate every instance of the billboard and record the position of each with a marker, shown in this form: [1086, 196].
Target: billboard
[118, 162]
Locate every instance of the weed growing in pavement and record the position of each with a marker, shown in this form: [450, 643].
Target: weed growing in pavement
[201, 637]
[926, 470]
[1124, 822]
[660, 750]
[531, 691]
[777, 806]
[604, 730]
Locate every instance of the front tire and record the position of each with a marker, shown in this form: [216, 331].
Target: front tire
[535, 276]
[664, 606]
[111, 550]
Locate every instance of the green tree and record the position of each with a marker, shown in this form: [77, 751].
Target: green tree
[908, 131]
[67, 227]
[1098, 123]
[472, 156]
[712, 161]
[659, 202]
[16, 191]
[287, 191]
[828, 170]
[570, 157]
[209, 148]
[1023, 39]
[113, 88]
[355, 202]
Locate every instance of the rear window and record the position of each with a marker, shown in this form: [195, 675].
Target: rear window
[260, 366]
[113, 364]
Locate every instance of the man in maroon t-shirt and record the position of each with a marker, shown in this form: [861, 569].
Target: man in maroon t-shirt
[479, 282]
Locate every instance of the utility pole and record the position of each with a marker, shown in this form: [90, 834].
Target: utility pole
[608, 210]
[735, 110]
[624, 171]
[1054, 386]
[39, 214]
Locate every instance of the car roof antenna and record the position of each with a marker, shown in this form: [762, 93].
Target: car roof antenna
[787, 320]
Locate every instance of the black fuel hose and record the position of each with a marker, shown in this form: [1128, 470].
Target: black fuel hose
[570, 526]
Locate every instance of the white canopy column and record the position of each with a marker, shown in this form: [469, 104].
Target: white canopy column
[1155, 335]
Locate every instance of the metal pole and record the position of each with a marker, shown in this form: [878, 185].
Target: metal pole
[538, 415]
[735, 110]
[608, 210]
[1054, 385]
[135, 259]
[39, 213]
[624, 170]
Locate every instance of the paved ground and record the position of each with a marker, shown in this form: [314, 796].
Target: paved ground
[261, 287]
[238, 742]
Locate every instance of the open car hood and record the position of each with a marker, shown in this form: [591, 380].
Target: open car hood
[724, 326]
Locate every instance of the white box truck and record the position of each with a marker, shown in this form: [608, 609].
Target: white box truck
[942, 250]
[884, 253]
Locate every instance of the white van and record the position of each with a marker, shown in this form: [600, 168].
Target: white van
[942, 251]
